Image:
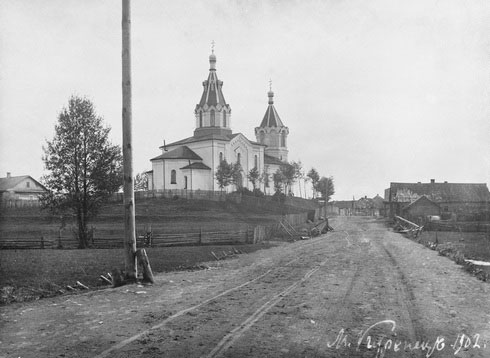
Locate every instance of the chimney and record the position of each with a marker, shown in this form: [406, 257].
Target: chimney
[445, 182]
[8, 175]
[432, 181]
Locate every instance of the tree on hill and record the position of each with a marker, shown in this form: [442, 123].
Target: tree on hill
[314, 177]
[236, 176]
[298, 174]
[326, 188]
[223, 174]
[84, 167]
[254, 176]
[141, 182]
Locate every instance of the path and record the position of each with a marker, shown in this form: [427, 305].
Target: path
[337, 295]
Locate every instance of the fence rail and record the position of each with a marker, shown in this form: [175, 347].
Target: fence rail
[114, 239]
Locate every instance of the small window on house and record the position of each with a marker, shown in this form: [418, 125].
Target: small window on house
[220, 157]
[185, 182]
[173, 177]
[224, 118]
[213, 116]
[28, 184]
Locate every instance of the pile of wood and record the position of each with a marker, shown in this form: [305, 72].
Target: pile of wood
[404, 226]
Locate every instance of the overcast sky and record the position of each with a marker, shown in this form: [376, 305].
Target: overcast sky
[372, 91]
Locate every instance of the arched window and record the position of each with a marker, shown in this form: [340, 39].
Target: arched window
[213, 115]
[173, 177]
[200, 119]
[283, 139]
[185, 182]
[238, 158]
[256, 162]
[220, 157]
[224, 118]
[261, 137]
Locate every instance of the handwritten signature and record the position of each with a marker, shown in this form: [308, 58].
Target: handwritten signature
[383, 344]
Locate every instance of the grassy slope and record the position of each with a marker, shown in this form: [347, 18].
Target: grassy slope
[31, 274]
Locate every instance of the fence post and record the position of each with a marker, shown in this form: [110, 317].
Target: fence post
[42, 242]
[200, 235]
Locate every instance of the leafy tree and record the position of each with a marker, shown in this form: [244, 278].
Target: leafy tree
[84, 167]
[298, 174]
[236, 176]
[253, 176]
[288, 174]
[314, 177]
[277, 178]
[224, 174]
[326, 188]
[141, 182]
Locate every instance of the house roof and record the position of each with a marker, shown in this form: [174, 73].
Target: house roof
[445, 192]
[271, 117]
[197, 165]
[9, 183]
[420, 200]
[268, 159]
[182, 152]
[343, 204]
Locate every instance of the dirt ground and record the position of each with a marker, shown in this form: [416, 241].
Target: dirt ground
[360, 291]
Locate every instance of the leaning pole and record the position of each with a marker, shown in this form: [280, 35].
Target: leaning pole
[129, 216]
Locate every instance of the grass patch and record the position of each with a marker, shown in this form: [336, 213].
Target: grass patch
[33, 274]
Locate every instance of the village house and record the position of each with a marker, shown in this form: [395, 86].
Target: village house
[456, 201]
[20, 191]
[191, 163]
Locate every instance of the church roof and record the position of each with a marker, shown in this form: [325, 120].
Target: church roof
[268, 159]
[212, 94]
[210, 136]
[197, 165]
[271, 118]
[182, 152]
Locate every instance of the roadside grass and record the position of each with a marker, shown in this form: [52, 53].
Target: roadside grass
[473, 245]
[27, 275]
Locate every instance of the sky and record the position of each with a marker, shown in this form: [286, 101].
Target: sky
[373, 92]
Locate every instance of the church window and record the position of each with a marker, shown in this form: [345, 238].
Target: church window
[173, 177]
[200, 119]
[255, 162]
[220, 157]
[238, 158]
[185, 182]
[261, 136]
[212, 113]
[224, 118]
[283, 139]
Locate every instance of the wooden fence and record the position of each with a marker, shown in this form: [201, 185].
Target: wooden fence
[478, 226]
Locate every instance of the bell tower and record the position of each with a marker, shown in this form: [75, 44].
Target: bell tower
[272, 132]
[213, 114]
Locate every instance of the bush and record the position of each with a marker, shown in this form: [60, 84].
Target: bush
[258, 193]
[278, 196]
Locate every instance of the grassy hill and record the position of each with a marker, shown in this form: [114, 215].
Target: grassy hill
[164, 216]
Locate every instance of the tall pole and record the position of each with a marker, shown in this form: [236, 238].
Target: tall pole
[129, 217]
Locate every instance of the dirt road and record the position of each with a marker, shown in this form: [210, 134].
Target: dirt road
[361, 291]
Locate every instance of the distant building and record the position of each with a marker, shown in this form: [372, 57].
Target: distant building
[20, 190]
[420, 209]
[459, 201]
[191, 163]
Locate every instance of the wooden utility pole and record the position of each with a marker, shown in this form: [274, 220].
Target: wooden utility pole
[129, 217]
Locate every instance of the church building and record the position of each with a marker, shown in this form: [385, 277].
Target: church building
[191, 163]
